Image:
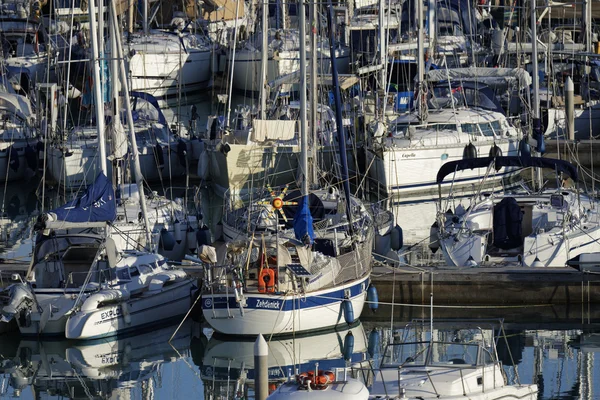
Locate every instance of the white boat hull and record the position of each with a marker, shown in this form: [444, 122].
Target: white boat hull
[283, 314]
[162, 72]
[22, 171]
[402, 173]
[148, 309]
[76, 167]
[246, 72]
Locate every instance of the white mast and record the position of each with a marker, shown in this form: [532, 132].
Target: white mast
[145, 17]
[535, 77]
[139, 179]
[303, 130]
[420, 63]
[264, 60]
[382, 47]
[97, 87]
[312, 14]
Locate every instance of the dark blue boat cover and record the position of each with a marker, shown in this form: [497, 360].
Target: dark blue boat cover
[508, 218]
[96, 205]
[512, 161]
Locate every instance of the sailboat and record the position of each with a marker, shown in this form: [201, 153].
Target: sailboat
[80, 285]
[546, 228]
[18, 138]
[443, 360]
[167, 64]
[451, 119]
[276, 282]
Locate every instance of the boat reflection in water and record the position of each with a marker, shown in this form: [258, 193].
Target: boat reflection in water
[92, 369]
[227, 367]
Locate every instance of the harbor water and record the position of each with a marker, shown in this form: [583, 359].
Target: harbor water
[197, 364]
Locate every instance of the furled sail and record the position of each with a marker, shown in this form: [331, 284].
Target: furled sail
[96, 205]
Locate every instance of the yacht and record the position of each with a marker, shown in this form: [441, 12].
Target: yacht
[450, 360]
[170, 63]
[463, 120]
[542, 228]
[322, 256]
[80, 287]
[73, 159]
[18, 135]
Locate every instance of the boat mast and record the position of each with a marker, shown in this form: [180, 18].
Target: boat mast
[382, 56]
[421, 101]
[303, 130]
[341, 132]
[97, 87]
[535, 79]
[139, 179]
[264, 60]
[145, 17]
[312, 15]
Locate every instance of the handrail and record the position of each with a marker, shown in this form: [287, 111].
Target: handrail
[88, 277]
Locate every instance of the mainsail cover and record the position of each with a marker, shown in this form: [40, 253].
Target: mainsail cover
[96, 205]
[303, 222]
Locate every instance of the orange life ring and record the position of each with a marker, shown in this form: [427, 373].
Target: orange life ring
[266, 281]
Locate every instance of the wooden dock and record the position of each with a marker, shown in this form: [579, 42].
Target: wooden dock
[484, 286]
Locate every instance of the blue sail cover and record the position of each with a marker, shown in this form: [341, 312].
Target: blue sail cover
[303, 222]
[96, 205]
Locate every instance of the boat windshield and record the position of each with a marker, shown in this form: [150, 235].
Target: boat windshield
[457, 97]
[420, 354]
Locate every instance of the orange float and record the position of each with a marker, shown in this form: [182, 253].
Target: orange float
[266, 281]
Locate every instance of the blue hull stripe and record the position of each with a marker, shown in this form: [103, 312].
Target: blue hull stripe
[290, 302]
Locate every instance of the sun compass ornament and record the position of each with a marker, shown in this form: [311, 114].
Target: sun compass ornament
[277, 202]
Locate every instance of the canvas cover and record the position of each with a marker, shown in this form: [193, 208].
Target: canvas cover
[492, 77]
[266, 129]
[96, 205]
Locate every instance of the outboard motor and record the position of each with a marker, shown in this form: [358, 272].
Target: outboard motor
[21, 299]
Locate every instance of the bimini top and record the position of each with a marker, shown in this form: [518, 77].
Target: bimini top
[514, 161]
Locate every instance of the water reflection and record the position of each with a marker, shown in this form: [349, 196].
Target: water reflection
[94, 369]
[562, 362]
[227, 367]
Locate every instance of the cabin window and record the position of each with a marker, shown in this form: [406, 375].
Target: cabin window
[145, 269]
[486, 357]
[446, 127]
[497, 127]
[486, 129]
[133, 271]
[123, 274]
[470, 129]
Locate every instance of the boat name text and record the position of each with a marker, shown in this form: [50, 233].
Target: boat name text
[273, 305]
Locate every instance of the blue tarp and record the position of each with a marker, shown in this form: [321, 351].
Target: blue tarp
[303, 222]
[96, 205]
